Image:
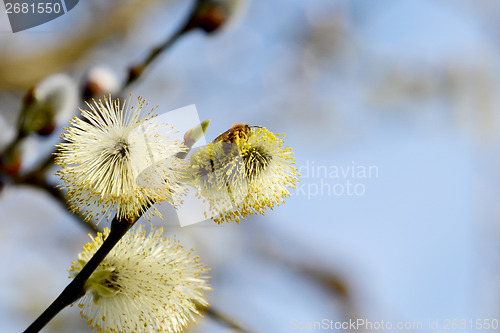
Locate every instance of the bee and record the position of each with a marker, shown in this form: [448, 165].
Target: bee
[229, 139]
[239, 131]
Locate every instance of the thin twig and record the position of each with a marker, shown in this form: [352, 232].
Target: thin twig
[136, 71]
[57, 194]
[335, 283]
[13, 144]
[204, 15]
[193, 21]
[218, 316]
[75, 289]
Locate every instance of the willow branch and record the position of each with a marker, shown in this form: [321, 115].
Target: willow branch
[13, 144]
[58, 195]
[39, 172]
[334, 283]
[218, 316]
[205, 14]
[137, 70]
[76, 289]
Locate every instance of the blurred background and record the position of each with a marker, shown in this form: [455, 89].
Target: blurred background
[391, 106]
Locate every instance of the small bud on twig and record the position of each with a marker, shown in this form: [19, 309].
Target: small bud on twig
[10, 162]
[207, 15]
[195, 133]
[47, 103]
[99, 81]
[210, 15]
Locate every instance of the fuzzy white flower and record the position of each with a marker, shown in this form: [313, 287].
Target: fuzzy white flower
[244, 171]
[117, 160]
[145, 284]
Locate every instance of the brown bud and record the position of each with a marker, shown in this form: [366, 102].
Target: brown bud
[29, 97]
[47, 129]
[135, 72]
[99, 81]
[92, 89]
[10, 164]
[210, 18]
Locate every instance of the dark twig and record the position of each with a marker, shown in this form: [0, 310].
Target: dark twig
[75, 289]
[56, 193]
[136, 71]
[206, 15]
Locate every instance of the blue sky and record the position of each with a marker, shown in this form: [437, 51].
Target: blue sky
[407, 86]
